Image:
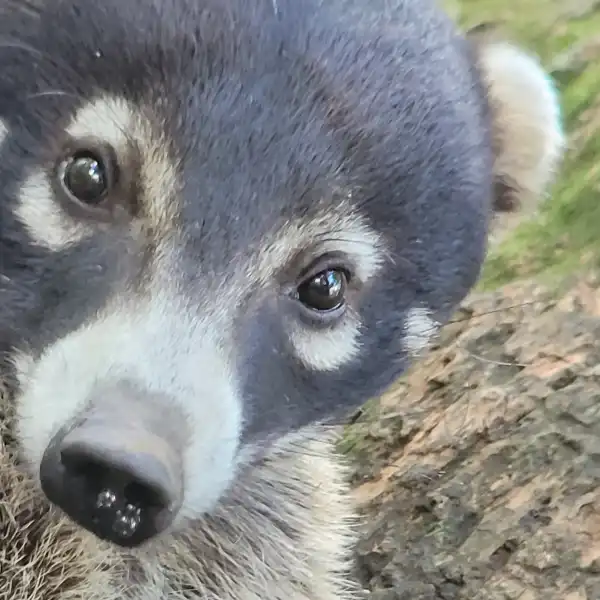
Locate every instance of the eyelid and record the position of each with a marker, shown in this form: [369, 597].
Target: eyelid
[320, 320]
[325, 262]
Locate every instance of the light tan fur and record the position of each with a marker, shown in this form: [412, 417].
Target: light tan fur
[526, 121]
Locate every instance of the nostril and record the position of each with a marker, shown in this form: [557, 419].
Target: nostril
[78, 464]
[117, 481]
[113, 503]
[145, 495]
[120, 496]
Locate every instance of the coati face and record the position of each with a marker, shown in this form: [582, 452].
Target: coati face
[222, 223]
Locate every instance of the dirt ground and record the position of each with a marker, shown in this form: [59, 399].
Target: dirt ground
[479, 474]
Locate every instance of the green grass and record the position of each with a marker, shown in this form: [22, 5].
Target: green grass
[566, 234]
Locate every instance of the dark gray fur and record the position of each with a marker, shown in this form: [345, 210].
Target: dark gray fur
[271, 107]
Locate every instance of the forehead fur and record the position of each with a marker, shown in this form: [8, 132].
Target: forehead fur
[121, 124]
[235, 86]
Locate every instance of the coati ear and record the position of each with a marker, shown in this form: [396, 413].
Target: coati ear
[526, 122]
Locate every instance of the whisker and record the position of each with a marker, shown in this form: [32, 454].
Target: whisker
[16, 45]
[490, 361]
[491, 312]
[51, 93]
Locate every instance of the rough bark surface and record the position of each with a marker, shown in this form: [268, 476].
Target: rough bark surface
[479, 474]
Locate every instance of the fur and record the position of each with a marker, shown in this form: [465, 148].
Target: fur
[254, 146]
[528, 142]
[284, 531]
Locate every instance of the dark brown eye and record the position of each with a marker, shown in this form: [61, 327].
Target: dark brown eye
[325, 291]
[84, 176]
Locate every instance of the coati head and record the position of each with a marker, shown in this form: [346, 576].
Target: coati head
[223, 222]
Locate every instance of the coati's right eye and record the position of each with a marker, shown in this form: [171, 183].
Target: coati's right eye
[86, 177]
[324, 291]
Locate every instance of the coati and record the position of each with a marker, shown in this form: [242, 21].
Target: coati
[224, 224]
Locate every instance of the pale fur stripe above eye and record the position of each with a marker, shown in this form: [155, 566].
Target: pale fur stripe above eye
[344, 232]
[105, 119]
[48, 225]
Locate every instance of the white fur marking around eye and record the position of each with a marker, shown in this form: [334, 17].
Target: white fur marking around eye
[38, 212]
[115, 122]
[327, 350]
[528, 117]
[419, 328]
[106, 119]
[337, 230]
[43, 218]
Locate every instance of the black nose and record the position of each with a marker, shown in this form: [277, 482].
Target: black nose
[119, 485]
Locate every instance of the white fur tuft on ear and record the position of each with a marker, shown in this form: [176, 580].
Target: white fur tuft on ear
[527, 125]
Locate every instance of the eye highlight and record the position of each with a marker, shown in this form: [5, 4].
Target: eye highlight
[86, 177]
[325, 291]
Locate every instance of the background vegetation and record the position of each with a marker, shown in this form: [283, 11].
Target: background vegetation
[566, 36]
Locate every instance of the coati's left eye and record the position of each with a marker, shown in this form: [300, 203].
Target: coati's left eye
[85, 177]
[324, 291]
